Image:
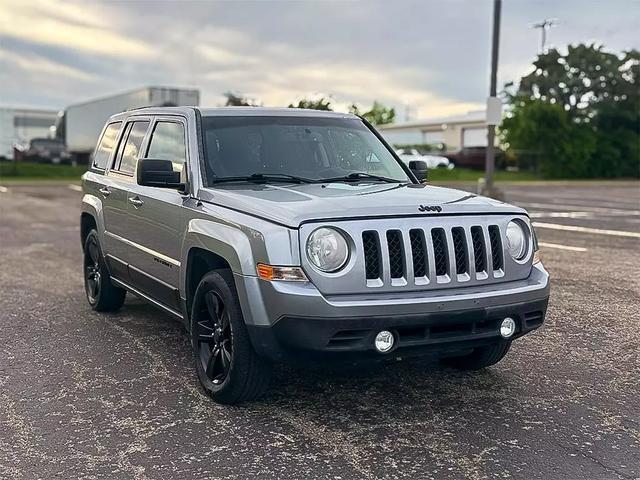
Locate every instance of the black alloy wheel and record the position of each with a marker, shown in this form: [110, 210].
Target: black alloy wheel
[102, 294]
[92, 276]
[229, 369]
[215, 345]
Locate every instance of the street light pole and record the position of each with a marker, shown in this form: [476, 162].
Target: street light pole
[491, 127]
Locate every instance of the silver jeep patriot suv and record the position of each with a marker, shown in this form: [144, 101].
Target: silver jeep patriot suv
[285, 234]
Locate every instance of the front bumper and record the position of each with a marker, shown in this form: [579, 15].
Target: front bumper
[293, 320]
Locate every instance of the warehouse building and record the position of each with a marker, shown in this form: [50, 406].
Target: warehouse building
[456, 132]
[19, 125]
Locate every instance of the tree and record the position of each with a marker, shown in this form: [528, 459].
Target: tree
[598, 93]
[544, 139]
[378, 115]
[237, 100]
[319, 104]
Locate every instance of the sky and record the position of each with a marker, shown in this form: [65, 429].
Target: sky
[433, 56]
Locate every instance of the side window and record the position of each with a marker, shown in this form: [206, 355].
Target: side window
[167, 143]
[107, 142]
[129, 151]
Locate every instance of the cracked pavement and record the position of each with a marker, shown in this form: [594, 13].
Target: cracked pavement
[86, 395]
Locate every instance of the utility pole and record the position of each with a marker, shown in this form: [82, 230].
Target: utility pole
[493, 105]
[545, 25]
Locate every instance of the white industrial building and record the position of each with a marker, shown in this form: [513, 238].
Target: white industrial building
[19, 125]
[469, 130]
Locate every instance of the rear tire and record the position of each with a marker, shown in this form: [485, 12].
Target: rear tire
[102, 295]
[481, 357]
[229, 369]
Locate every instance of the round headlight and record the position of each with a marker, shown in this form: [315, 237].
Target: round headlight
[327, 249]
[516, 240]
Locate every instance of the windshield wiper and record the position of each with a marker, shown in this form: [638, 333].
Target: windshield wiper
[356, 176]
[263, 178]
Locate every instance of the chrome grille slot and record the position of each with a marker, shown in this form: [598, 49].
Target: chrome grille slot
[496, 247]
[441, 256]
[396, 255]
[460, 250]
[372, 258]
[418, 253]
[479, 250]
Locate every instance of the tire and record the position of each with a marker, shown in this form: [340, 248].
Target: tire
[229, 369]
[481, 357]
[102, 295]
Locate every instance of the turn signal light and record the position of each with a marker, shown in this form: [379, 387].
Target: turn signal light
[270, 272]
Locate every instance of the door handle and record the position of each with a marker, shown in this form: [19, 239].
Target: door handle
[105, 191]
[136, 202]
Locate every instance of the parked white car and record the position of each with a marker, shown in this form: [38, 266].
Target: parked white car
[433, 161]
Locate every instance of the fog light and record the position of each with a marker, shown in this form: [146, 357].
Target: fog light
[508, 327]
[384, 341]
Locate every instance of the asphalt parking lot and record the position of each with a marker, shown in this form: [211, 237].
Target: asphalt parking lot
[87, 395]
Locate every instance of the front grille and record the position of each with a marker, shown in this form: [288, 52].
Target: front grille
[438, 255]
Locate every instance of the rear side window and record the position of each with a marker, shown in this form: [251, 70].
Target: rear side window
[107, 142]
[129, 151]
[167, 143]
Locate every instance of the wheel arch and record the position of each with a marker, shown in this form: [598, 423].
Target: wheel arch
[199, 262]
[209, 245]
[87, 223]
[91, 217]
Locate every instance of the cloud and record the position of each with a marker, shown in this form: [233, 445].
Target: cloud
[86, 29]
[32, 65]
[431, 55]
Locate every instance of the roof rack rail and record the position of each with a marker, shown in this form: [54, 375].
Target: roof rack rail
[138, 108]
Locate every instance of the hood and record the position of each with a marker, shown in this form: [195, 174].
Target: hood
[293, 205]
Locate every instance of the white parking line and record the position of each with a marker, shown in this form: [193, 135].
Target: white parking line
[562, 247]
[598, 231]
[3, 189]
[587, 208]
[76, 188]
[561, 214]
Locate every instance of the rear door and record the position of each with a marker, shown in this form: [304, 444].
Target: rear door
[157, 220]
[118, 246]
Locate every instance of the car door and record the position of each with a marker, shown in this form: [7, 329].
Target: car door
[157, 220]
[118, 180]
[97, 184]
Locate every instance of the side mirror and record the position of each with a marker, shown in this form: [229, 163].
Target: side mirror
[158, 173]
[419, 169]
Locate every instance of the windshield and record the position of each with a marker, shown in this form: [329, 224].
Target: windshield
[314, 149]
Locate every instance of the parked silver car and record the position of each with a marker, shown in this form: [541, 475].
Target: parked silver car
[408, 155]
[286, 234]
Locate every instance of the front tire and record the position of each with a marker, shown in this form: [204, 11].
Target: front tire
[102, 295]
[229, 369]
[481, 357]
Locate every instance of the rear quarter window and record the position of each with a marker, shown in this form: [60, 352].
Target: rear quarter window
[105, 147]
[130, 145]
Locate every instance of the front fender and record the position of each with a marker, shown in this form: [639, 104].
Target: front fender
[240, 244]
[93, 206]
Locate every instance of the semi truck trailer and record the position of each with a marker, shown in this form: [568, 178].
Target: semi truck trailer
[80, 124]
